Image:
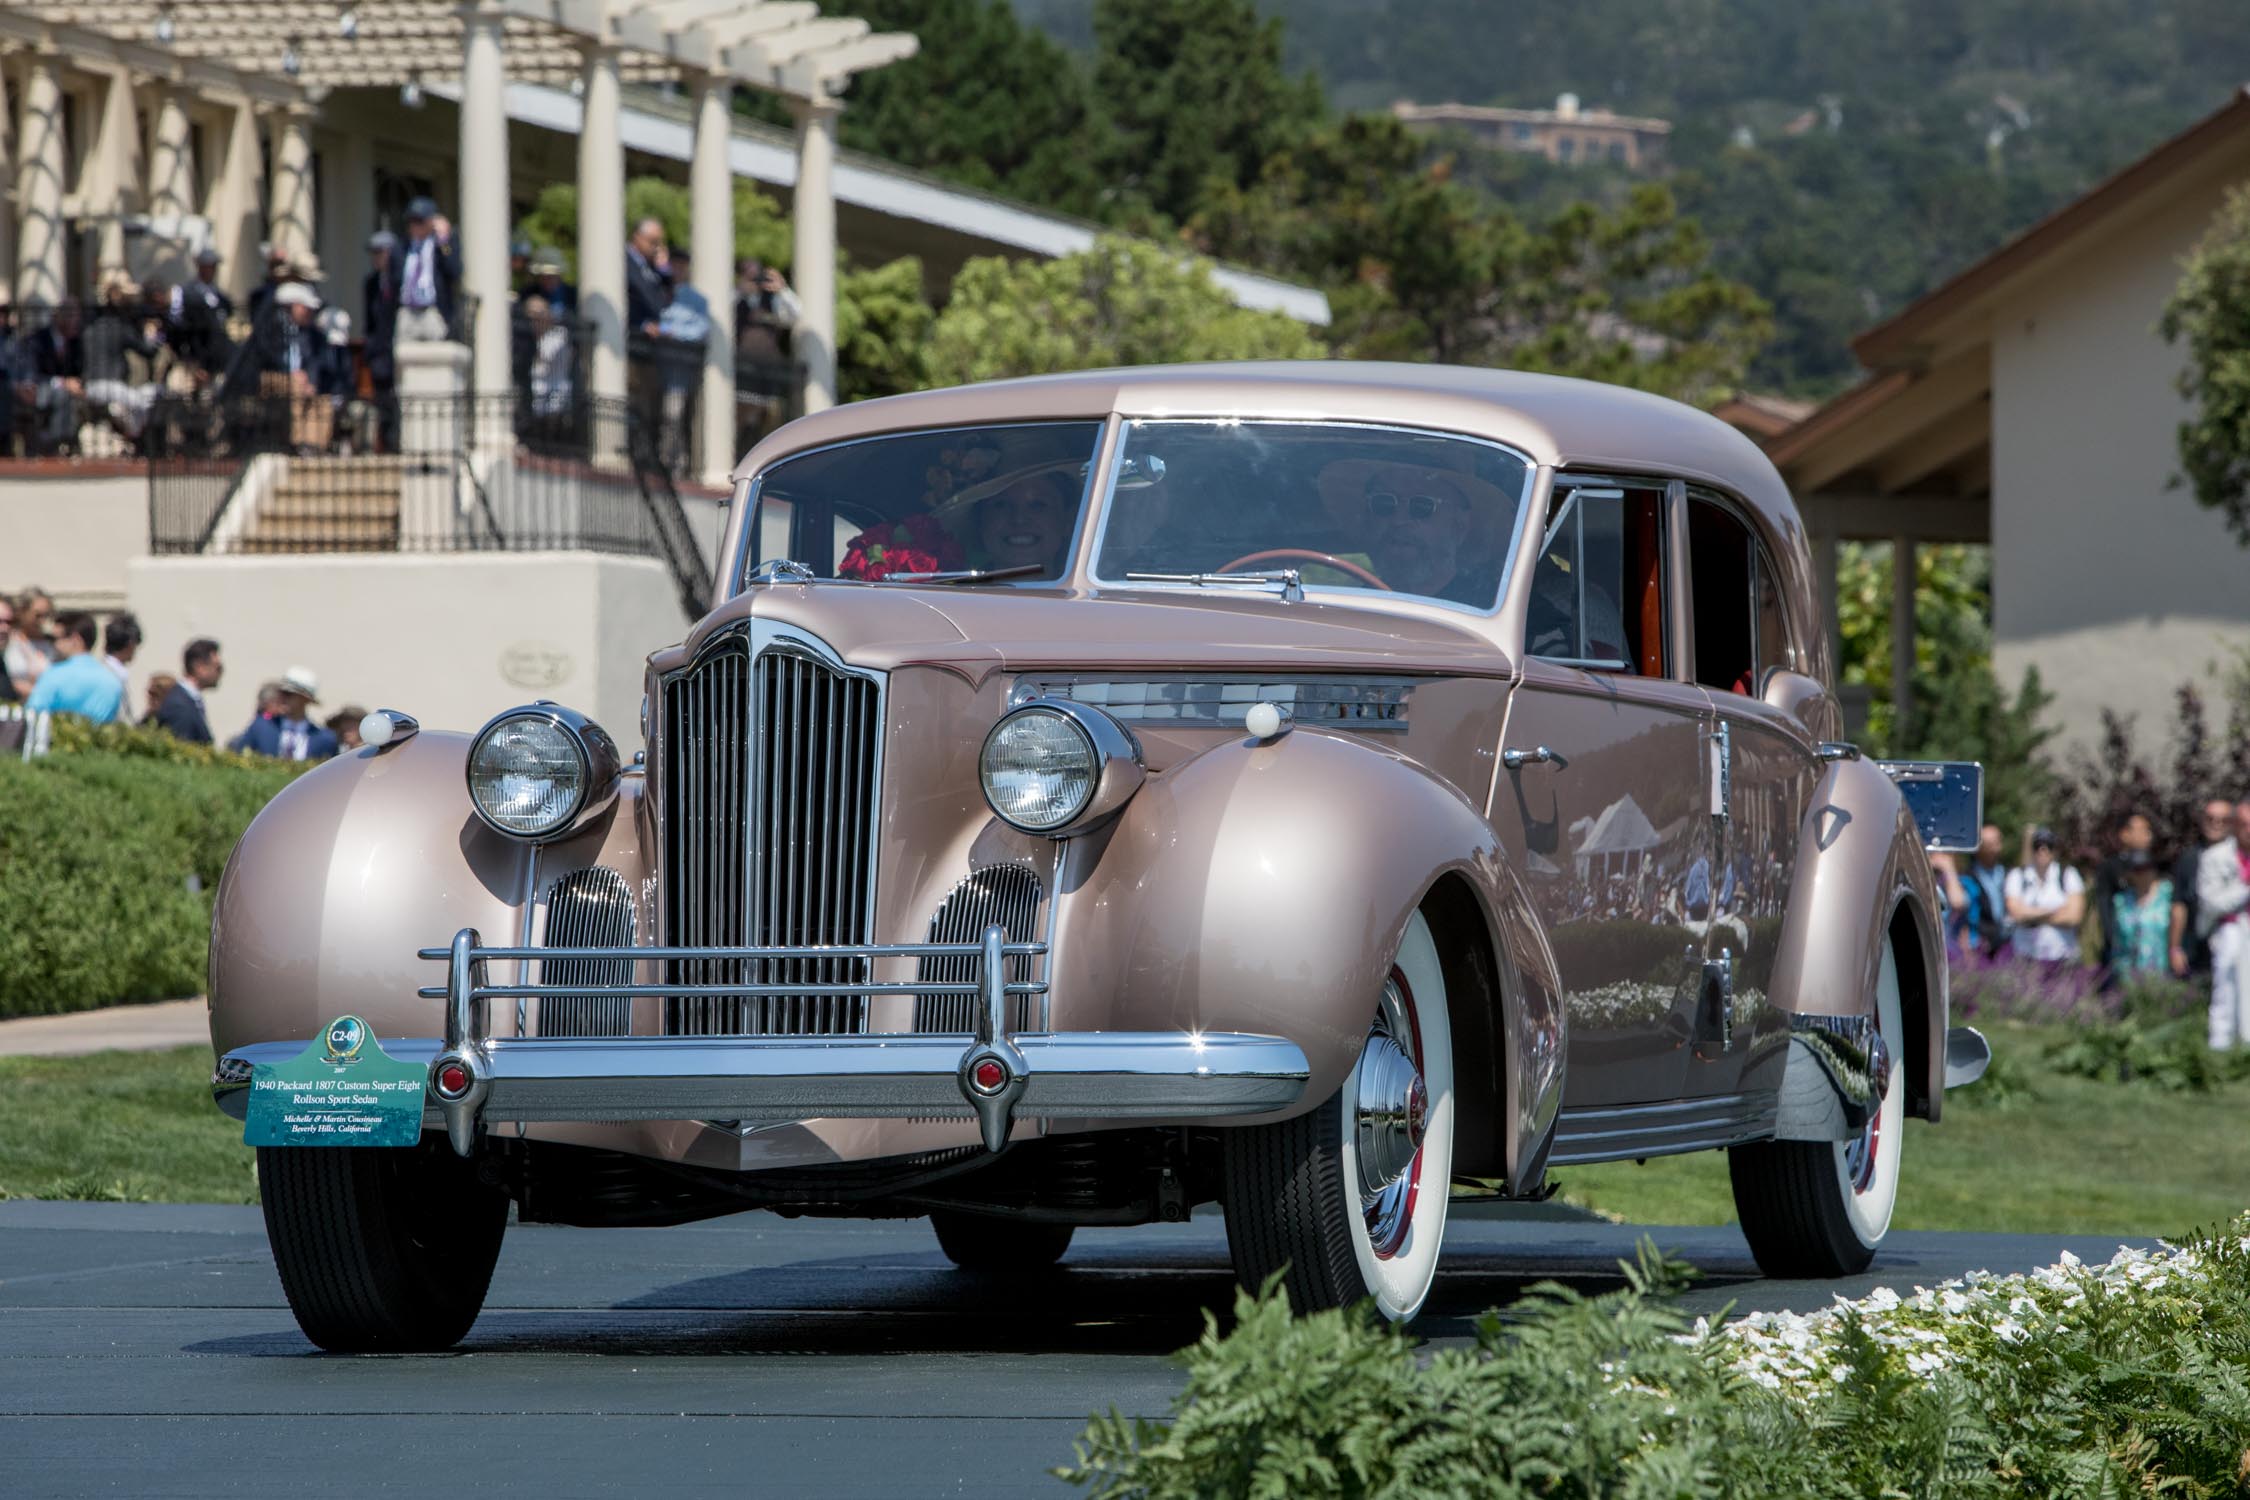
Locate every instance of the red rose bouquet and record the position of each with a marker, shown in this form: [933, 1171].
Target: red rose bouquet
[918, 544]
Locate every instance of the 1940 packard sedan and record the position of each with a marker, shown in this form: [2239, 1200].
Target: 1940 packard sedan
[1316, 789]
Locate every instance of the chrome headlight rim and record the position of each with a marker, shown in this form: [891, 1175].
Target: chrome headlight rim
[599, 768]
[1118, 770]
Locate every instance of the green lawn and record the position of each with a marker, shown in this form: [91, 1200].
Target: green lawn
[130, 1125]
[2047, 1152]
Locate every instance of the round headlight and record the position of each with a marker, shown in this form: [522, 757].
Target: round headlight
[1039, 769]
[528, 775]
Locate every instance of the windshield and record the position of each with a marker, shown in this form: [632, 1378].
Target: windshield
[1368, 508]
[958, 500]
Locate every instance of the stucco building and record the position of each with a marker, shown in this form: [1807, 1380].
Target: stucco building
[2030, 403]
[1568, 134]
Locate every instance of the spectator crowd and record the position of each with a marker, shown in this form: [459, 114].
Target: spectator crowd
[77, 381]
[63, 664]
[2141, 917]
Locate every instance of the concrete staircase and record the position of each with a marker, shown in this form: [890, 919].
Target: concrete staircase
[329, 504]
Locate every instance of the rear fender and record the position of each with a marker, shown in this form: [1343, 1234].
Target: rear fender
[1264, 886]
[1863, 880]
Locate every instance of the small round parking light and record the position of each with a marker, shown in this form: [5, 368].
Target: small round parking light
[989, 1076]
[453, 1080]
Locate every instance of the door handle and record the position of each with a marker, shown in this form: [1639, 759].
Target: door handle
[1516, 760]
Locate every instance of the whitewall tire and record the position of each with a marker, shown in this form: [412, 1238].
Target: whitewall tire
[1350, 1198]
[1813, 1209]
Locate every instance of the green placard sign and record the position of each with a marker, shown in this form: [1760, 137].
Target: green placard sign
[342, 1090]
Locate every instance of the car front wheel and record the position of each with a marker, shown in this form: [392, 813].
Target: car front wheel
[1818, 1209]
[381, 1250]
[1349, 1200]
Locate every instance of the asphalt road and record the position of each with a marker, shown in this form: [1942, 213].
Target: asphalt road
[146, 1350]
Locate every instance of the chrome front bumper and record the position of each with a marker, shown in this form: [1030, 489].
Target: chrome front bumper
[990, 1075]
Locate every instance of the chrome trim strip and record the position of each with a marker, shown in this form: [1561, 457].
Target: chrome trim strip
[1067, 1075]
[1625, 1131]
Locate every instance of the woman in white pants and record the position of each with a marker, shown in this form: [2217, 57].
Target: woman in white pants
[2222, 915]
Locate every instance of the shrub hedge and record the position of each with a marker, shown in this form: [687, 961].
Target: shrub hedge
[2116, 1380]
[110, 851]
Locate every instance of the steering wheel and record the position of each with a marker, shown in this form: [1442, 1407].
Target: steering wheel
[1325, 559]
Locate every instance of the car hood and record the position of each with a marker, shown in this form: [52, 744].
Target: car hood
[980, 631]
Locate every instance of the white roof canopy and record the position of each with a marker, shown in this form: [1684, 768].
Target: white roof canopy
[785, 46]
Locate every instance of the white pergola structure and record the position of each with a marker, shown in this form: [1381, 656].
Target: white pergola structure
[278, 58]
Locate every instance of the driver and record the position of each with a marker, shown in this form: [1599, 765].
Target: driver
[1418, 526]
[1028, 523]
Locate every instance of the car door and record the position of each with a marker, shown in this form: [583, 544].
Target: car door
[1601, 790]
[1766, 765]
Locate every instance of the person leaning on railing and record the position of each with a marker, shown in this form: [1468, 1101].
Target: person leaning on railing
[291, 358]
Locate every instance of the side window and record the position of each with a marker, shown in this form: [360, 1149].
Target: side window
[1739, 635]
[1597, 590]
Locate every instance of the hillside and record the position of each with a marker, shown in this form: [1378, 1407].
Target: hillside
[1844, 155]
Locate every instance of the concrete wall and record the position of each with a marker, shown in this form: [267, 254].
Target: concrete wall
[2117, 586]
[449, 639]
[73, 536]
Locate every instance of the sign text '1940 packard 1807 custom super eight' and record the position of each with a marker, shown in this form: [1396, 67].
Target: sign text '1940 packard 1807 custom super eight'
[1312, 788]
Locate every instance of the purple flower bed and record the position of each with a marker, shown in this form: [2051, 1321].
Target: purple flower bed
[2014, 990]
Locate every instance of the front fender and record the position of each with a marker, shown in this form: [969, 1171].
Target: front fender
[1264, 886]
[352, 869]
[1860, 863]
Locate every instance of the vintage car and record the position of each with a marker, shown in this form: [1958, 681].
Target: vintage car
[1315, 789]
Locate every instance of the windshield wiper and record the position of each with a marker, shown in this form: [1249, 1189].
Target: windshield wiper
[1292, 583]
[967, 575]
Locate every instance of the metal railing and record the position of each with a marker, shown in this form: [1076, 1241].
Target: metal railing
[303, 473]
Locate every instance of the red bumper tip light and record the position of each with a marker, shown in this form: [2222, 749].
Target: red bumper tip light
[453, 1079]
[989, 1076]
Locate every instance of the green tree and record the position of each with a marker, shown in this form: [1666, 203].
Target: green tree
[2210, 312]
[1124, 302]
[1419, 267]
[882, 322]
[1192, 93]
[759, 228]
[987, 101]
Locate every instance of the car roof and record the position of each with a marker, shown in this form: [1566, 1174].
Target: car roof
[1553, 419]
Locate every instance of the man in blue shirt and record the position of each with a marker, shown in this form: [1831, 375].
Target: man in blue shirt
[79, 682]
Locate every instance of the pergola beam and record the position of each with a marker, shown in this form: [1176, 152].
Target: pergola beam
[33, 29]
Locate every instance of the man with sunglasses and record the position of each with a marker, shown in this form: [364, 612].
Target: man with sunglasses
[1419, 525]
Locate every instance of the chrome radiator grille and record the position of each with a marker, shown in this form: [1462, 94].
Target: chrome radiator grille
[769, 788]
[1007, 894]
[591, 908]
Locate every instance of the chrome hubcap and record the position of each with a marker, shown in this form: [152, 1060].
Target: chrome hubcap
[1389, 1114]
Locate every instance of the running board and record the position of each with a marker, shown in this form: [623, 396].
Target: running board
[1626, 1132]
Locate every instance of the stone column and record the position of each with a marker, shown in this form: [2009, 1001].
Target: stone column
[289, 216]
[814, 255]
[234, 205]
[712, 184]
[7, 181]
[171, 158]
[112, 185]
[1902, 637]
[347, 187]
[41, 251]
[483, 216]
[432, 377]
[601, 246]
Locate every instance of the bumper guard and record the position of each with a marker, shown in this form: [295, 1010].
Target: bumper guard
[1082, 1075]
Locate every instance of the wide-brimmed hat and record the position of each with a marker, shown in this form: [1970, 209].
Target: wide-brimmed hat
[296, 294]
[985, 489]
[300, 680]
[1343, 486]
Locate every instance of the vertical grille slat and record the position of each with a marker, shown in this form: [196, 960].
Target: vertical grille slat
[1007, 894]
[768, 788]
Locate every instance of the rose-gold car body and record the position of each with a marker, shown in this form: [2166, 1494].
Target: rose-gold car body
[1664, 901]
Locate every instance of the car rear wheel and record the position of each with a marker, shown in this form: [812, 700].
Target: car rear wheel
[1349, 1200]
[381, 1250]
[1815, 1209]
[978, 1242]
